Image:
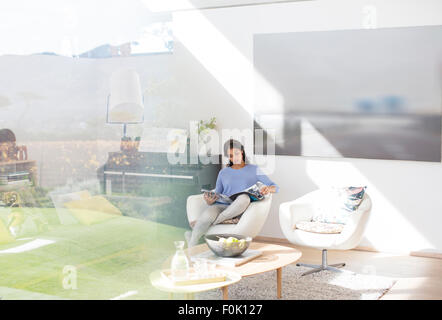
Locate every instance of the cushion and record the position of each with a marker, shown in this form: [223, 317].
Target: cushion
[351, 197]
[92, 210]
[319, 227]
[64, 215]
[95, 203]
[66, 218]
[338, 204]
[5, 235]
[232, 221]
[89, 217]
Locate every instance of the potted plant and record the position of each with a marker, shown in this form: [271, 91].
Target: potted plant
[204, 128]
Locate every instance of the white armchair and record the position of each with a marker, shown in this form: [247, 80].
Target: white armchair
[250, 224]
[303, 209]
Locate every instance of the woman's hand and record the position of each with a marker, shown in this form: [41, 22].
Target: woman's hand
[267, 189]
[210, 197]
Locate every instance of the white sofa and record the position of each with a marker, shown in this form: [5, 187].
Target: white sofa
[304, 208]
[250, 224]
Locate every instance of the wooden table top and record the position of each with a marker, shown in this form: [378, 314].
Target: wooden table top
[273, 257]
[159, 282]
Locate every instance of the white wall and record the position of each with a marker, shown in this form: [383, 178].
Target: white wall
[214, 66]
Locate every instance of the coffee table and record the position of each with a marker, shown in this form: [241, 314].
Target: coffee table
[274, 257]
[159, 282]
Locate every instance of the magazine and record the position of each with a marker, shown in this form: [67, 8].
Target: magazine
[252, 191]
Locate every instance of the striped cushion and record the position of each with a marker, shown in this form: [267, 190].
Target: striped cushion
[319, 227]
[338, 204]
[232, 221]
[351, 197]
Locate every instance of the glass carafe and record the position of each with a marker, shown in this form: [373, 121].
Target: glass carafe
[180, 263]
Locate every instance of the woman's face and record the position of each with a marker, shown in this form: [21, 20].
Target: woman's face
[235, 155]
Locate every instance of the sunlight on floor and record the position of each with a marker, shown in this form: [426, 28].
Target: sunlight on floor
[409, 288]
[367, 281]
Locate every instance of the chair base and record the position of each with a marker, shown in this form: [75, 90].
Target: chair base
[323, 266]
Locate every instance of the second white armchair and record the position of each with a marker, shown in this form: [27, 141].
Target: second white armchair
[303, 209]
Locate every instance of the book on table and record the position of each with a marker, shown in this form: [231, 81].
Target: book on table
[245, 257]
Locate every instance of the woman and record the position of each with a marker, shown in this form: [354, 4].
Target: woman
[237, 176]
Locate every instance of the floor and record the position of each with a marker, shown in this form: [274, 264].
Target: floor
[417, 277]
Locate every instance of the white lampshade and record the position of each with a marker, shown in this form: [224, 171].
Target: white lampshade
[126, 98]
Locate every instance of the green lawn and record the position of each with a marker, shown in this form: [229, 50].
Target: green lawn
[111, 258]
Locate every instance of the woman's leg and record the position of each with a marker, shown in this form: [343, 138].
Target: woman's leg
[234, 209]
[204, 222]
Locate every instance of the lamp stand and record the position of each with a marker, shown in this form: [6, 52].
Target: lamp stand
[124, 129]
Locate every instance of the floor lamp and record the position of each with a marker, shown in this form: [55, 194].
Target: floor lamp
[125, 102]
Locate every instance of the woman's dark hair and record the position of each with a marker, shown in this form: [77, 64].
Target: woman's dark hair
[234, 144]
